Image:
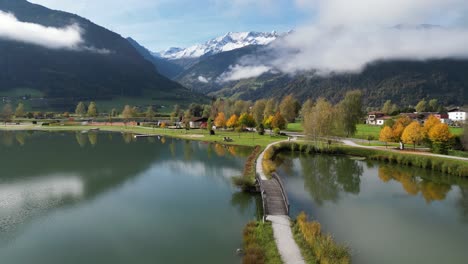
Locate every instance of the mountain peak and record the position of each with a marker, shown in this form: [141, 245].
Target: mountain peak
[227, 42]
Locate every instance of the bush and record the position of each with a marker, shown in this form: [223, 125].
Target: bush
[277, 131]
[259, 244]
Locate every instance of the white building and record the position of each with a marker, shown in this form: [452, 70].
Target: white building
[457, 115]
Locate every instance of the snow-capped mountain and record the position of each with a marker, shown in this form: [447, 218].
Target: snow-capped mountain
[228, 42]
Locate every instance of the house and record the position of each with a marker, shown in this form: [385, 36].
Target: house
[421, 117]
[457, 115]
[198, 122]
[376, 118]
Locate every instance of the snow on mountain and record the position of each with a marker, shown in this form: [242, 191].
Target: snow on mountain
[230, 41]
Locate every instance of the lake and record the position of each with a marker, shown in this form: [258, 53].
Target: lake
[383, 212]
[109, 198]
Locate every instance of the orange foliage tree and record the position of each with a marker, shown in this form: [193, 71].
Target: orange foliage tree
[220, 120]
[386, 135]
[232, 122]
[412, 134]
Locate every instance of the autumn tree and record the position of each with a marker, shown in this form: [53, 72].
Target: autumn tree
[288, 108]
[258, 110]
[19, 112]
[240, 107]
[318, 119]
[413, 134]
[220, 120]
[246, 120]
[387, 107]
[92, 110]
[430, 122]
[267, 121]
[80, 109]
[386, 135]
[135, 111]
[278, 121]
[440, 136]
[150, 113]
[7, 113]
[176, 113]
[127, 113]
[433, 105]
[270, 108]
[114, 112]
[350, 112]
[232, 121]
[421, 106]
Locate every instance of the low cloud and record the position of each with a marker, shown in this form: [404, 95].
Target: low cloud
[346, 36]
[239, 72]
[68, 37]
[203, 79]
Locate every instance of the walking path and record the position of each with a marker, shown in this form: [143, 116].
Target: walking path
[353, 144]
[281, 223]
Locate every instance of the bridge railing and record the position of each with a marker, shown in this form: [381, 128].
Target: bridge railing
[283, 190]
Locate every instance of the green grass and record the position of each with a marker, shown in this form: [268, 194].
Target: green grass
[244, 139]
[457, 131]
[259, 244]
[295, 127]
[363, 131]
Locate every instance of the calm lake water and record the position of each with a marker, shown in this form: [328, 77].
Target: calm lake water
[385, 213]
[107, 198]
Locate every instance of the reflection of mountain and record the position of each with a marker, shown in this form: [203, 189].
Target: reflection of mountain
[432, 189]
[326, 176]
[44, 171]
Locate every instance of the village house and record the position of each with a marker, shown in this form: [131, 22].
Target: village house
[376, 118]
[198, 122]
[457, 115]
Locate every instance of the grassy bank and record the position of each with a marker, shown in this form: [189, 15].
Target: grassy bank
[364, 131]
[316, 247]
[259, 244]
[444, 165]
[247, 180]
[244, 139]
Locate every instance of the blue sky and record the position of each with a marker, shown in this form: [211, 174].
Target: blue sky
[159, 24]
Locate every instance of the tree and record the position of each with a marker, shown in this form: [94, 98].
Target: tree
[288, 108]
[220, 120]
[80, 109]
[232, 122]
[270, 108]
[465, 137]
[127, 113]
[114, 112]
[278, 121]
[350, 112]
[187, 118]
[258, 110]
[318, 121]
[433, 105]
[267, 121]
[412, 134]
[246, 120]
[430, 122]
[19, 112]
[150, 113]
[7, 113]
[395, 110]
[440, 136]
[135, 111]
[240, 107]
[387, 107]
[175, 115]
[92, 110]
[421, 106]
[386, 135]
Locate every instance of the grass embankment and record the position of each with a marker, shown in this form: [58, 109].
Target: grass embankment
[247, 180]
[259, 244]
[245, 139]
[316, 247]
[444, 165]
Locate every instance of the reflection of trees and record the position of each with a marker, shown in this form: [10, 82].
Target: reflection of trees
[188, 150]
[127, 137]
[463, 203]
[81, 138]
[21, 138]
[172, 148]
[242, 201]
[163, 140]
[325, 177]
[429, 189]
[219, 149]
[7, 138]
[93, 138]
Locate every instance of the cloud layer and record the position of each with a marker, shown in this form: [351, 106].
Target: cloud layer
[54, 38]
[345, 36]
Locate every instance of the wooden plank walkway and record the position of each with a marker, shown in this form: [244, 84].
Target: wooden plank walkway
[275, 203]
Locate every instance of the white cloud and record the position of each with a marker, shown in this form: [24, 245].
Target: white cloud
[348, 35]
[203, 79]
[55, 38]
[238, 72]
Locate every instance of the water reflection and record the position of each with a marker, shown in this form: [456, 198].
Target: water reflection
[325, 177]
[413, 185]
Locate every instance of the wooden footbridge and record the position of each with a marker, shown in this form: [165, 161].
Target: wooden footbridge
[274, 197]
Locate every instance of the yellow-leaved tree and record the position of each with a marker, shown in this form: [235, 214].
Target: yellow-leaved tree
[430, 122]
[220, 120]
[440, 136]
[413, 134]
[232, 122]
[386, 135]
